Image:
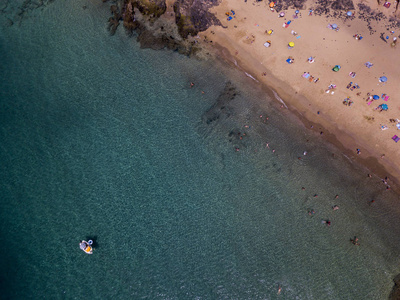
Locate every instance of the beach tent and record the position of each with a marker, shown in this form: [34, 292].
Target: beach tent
[396, 138]
[368, 64]
[336, 68]
[267, 44]
[382, 79]
[384, 106]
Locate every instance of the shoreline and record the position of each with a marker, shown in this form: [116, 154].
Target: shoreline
[296, 102]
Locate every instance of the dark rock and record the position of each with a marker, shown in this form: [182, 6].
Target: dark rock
[395, 293]
[194, 16]
[156, 34]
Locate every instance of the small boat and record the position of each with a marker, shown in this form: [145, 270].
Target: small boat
[86, 246]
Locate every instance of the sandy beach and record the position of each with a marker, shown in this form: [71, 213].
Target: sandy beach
[339, 105]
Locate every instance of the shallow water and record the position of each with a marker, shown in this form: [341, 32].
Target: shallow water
[103, 140]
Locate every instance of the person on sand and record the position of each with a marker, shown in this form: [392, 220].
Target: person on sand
[335, 207]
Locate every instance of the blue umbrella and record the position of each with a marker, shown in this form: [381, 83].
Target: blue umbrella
[376, 97]
[334, 26]
[296, 12]
[384, 106]
[349, 13]
[383, 79]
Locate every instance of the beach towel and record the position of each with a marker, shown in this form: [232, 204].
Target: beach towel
[306, 75]
[396, 138]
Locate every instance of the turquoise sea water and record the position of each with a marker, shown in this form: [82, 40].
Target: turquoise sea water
[100, 139]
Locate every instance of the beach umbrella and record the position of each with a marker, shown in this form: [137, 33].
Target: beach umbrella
[349, 13]
[291, 44]
[376, 97]
[336, 68]
[281, 14]
[272, 4]
[383, 79]
[384, 106]
[334, 26]
[296, 12]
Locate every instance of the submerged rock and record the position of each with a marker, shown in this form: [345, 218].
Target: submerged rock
[220, 109]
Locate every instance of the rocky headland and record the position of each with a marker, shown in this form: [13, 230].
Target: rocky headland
[163, 24]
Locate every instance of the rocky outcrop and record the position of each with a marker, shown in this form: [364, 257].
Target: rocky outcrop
[194, 16]
[156, 28]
